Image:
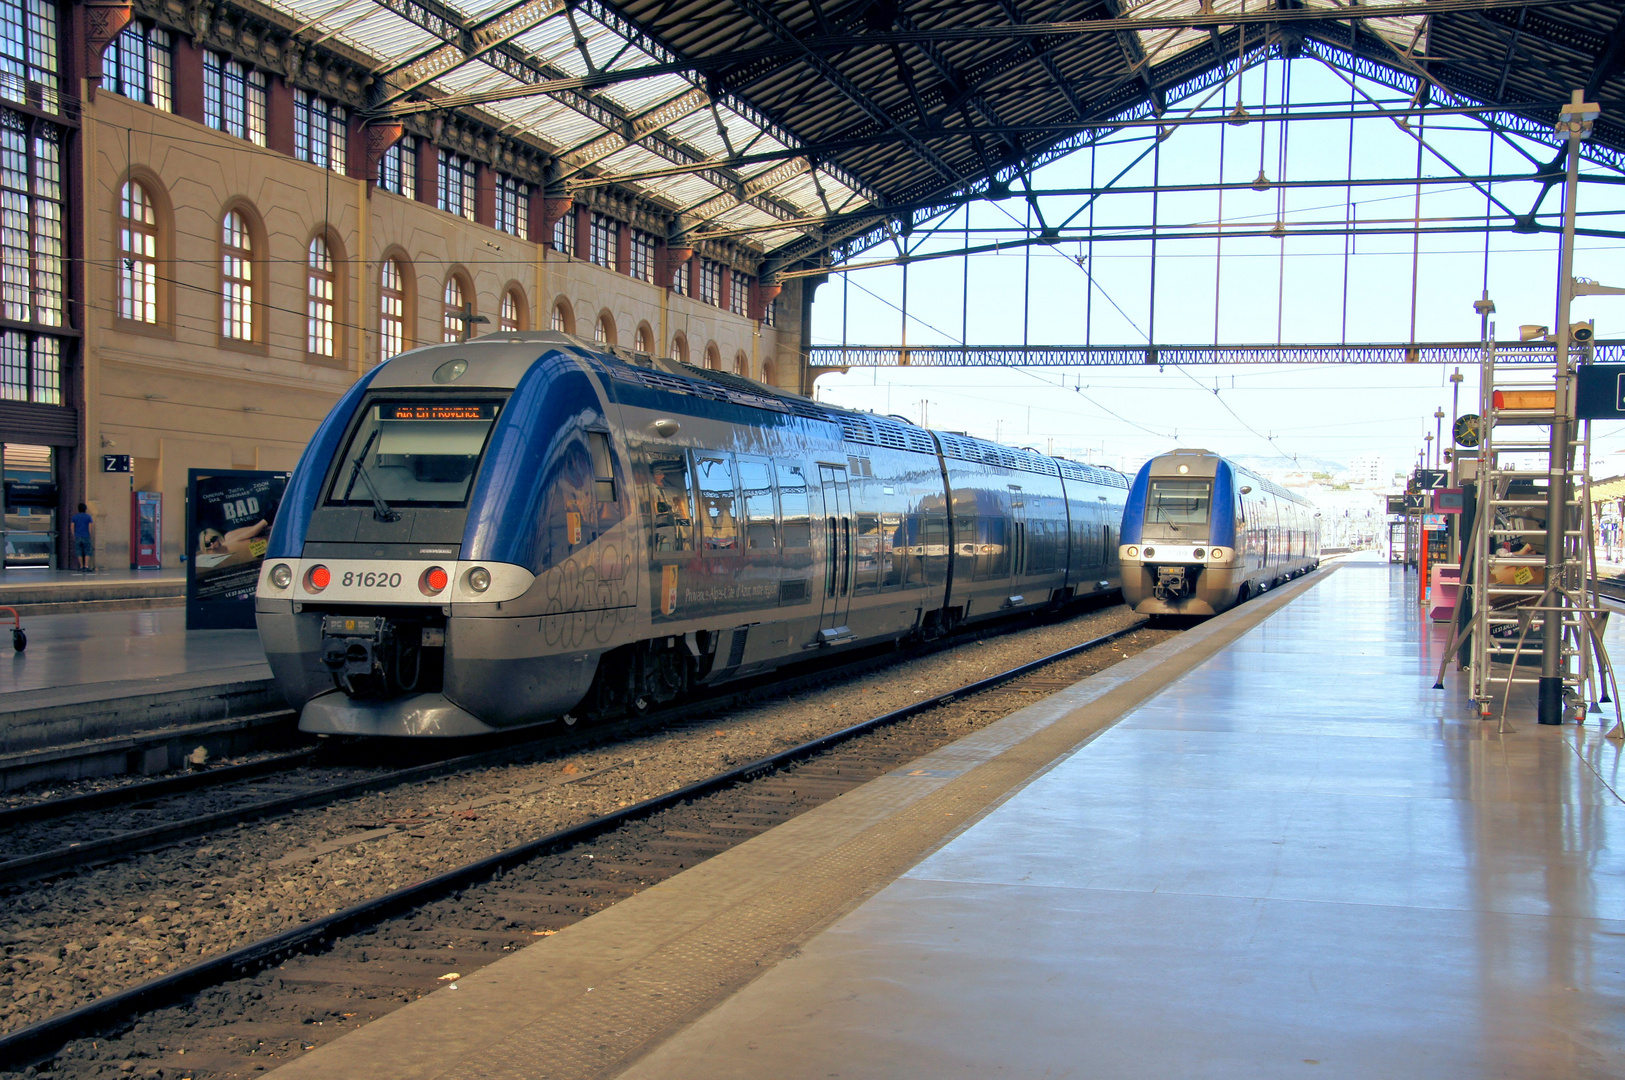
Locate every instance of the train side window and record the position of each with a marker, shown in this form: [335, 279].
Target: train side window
[794, 506]
[756, 492]
[603, 466]
[893, 550]
[671, 511]
[867, 572]
[996, 548]
[718, 501]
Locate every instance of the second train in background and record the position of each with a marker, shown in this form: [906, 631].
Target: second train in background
[1202, 534]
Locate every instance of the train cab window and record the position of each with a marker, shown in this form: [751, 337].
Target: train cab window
[603, 466]
[671, 512]
[1178, 502]
[794, 507]
[718, 502]
[756, 493]
[414, 453]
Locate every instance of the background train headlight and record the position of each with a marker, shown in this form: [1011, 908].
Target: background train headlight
[433, 580]
[1133, 552]
[318, 578]
[479, 579]
[282, 575]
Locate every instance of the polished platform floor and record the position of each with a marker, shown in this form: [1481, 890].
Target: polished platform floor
[69, 651]
[1264, 848]
[1297, 861]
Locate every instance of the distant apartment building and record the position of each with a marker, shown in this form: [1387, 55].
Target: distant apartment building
[1369, 469]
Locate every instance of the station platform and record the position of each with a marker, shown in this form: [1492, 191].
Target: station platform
[42, 591]
[138, 677]
[1267, 848]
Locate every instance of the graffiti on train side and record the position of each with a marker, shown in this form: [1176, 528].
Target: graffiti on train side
[599, 578]
[586, 629]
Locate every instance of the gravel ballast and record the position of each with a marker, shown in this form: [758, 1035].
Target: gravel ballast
[71, 940]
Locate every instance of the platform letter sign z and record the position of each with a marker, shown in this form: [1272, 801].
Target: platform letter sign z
[116, 463]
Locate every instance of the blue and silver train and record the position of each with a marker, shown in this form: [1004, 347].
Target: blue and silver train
[1202, 534]
[527, 527]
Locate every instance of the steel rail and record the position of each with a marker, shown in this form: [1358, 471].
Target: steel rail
[32, 1044]
[14, 872]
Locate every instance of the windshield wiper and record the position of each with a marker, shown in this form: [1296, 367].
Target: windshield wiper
[381, 510]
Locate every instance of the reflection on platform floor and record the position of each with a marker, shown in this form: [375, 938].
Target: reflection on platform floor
[1297, 861]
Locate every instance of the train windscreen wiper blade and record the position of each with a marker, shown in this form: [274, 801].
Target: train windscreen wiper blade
[381, 510]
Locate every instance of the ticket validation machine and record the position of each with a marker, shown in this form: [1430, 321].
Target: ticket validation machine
[146, 530]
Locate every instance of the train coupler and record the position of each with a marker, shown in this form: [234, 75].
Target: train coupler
[1171, 583]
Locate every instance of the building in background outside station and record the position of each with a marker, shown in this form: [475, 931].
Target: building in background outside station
[1369, 469]
[205, 247]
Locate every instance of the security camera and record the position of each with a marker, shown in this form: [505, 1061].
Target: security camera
[1531, 332]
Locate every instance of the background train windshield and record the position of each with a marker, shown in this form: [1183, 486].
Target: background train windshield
[1178, 502]
[414, 453]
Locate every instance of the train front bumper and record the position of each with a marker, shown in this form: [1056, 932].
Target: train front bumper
[1179, 579]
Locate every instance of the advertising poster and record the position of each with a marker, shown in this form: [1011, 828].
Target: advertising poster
[228, 516]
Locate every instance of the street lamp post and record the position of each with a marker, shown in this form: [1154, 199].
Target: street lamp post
[1438, 436]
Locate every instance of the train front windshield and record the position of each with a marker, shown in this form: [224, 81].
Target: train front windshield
[1179, 502]
[414, 453]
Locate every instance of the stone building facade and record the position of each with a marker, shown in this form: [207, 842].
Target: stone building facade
[232, 249]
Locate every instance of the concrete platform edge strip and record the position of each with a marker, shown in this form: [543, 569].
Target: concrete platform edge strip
[600, 994]
[57, 719]
[27, 759]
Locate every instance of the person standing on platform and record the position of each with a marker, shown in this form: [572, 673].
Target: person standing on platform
[83, 546]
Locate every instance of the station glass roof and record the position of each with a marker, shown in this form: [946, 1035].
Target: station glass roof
[775, 120]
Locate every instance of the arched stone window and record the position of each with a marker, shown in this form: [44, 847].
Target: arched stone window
[741, 364]
[768, 373]
[603, 330]
[512, 315]
[236, 278]
[138, 255]
[564, 317]
[713, 357]
[458, 307]
[392, 299]
[320, 298]
[679, 347]
[645, 340]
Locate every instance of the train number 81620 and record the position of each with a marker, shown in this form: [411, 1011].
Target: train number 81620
[371, 579]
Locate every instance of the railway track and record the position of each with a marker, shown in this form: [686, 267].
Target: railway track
[62, 835]
[309, 983]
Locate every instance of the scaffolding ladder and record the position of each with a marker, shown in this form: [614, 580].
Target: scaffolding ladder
[1512, 607]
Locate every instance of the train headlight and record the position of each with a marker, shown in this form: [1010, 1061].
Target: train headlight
[282, 575]
[479, 579]
[434, 580]
[318, 578]
[1149, 552]
[1218, 554]
[1133, 552]
[1198, 553]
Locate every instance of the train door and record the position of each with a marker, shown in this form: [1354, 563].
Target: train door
[837, 546]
